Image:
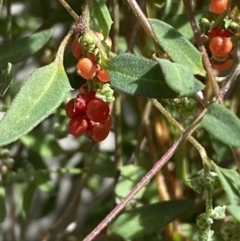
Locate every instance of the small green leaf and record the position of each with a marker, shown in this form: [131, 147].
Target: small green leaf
[138, 76]
[6, 79]
[101, 17]
[2, 204]
[179, 78]
[230, 182]
[234, 210]
[20, 49]
[129, 177]
[40, 95]
[43, 143]
[147, 219]
[177, 47]
[222, 124]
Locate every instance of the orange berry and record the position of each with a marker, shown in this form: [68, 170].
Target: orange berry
[76, 49]
[86, 68]
[218, 6]
[103, 75]
[222, 66]
[220, 46]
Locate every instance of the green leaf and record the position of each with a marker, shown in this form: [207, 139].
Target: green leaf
[40, 95]
[138, 76]
[100, 17]
[222, 124]
[230, 182]
[179, 78]
[129, 177]
[147, 219]
[43, 143]
[2, 204]
[20, 49]
[182, 24]
[6, 79]
[177, 47]
[234, 210]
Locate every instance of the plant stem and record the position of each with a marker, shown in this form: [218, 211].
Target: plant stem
[62, 46]
[207, 191]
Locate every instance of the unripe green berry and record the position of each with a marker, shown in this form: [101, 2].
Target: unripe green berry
[204, 24]
[234, 27]
[9, 162]
[4, 153]
[203, 222]
[88, 42]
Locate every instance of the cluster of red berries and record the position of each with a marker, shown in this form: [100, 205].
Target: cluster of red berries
[88, 66]
[89, 115]
[220, 38]
[221, 46]
[89, 111]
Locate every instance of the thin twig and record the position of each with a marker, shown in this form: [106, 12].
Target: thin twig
[231, 80]
[145, 115]
[118, 154]
[143, 21]
[69, 9]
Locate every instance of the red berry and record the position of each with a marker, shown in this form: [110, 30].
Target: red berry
[222, 66]
[71, 111]
[220, 46]
[76, 49]
[97, 110]
[99, 132]
[86, 68]
[77, 126]
[218, 6]
[103, 75]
